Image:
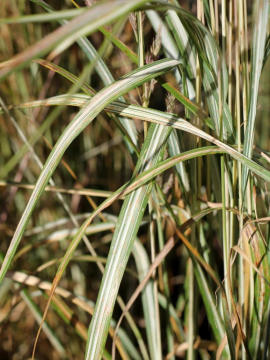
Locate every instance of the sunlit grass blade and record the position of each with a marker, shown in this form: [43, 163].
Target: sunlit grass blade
[43, 17]
[258, 47]
[101, 68]
[172, 120]
[120, 45]
[183, 42]
[126, 229]
[149, 308]
[84, 24]
[211, 58]
[84, 117]
[174, 148]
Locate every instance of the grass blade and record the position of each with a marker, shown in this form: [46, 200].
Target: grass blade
[259, 38]
[47, 329]
[84, 24]
[152, 325]
[159, 117]
[103, 71]
[53, 16]
[126, 229]
[84, 117]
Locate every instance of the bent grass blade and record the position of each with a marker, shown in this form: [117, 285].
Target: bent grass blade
[81, 25]
[84, 117]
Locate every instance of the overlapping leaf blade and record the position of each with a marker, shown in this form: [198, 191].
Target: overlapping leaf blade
[84, 117]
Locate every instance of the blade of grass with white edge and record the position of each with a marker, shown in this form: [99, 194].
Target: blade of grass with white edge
[83, 118]
[183, 42]
[89, 51]
[43, 17]
[258, 47]
[170, 47]
[168, 44]
[84, 24]
[167, 119]
[210, 56]
[175, 148]
[149, 309]
[140, 180]
[123, 239]
[101, 69]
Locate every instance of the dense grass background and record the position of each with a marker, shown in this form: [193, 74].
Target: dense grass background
[141, 131]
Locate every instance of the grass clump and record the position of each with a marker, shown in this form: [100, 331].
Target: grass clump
[134, 176]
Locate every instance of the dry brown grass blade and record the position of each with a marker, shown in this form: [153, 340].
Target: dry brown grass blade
[223, 343]
[35, 281]
[241, 252]
[159, 258]
[31, 280]
[71, 317]
[83, 191]
[241, 336]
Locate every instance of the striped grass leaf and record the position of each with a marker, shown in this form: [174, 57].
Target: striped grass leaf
[131, 134]
[175, 148]
[167, 119]
[84, 24]
[80, 302]
[84, 117]
[211, 62]
[169, 45]
[107, 297]
[90, 52]
[43, 17]
[102, 70]
[122, 243]
[148, 301]
[183, 43]
[258, 48]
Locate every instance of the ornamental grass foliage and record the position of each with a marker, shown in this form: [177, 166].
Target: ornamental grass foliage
[134, 179]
